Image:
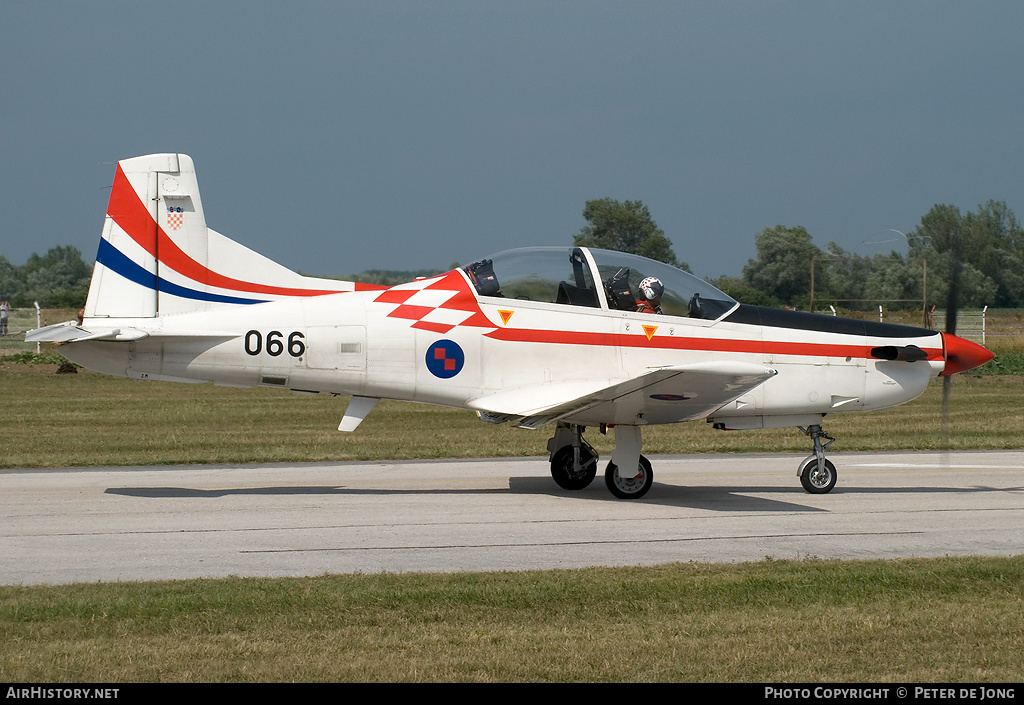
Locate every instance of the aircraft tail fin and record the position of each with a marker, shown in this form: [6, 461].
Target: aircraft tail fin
[157, 257]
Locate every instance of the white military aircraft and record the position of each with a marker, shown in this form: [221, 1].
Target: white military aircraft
[528, 336]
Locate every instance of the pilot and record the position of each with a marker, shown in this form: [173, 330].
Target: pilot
[651, 289]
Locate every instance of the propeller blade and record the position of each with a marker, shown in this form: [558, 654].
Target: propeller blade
[945, 413]
[952, 308]
[953, 294]
[949, 338]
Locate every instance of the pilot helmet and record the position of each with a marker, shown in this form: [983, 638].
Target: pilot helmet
[652, 288]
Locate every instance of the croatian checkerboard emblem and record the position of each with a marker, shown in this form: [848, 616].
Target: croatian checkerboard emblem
[445, 359]
[174, 216]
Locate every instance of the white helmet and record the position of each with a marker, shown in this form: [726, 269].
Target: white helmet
[652, 288]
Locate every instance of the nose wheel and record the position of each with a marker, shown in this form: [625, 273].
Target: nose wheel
[817, 478]
[816, 473]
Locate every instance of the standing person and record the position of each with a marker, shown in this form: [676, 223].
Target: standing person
[4, 308]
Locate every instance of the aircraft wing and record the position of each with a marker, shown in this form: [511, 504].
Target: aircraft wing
[662, 395]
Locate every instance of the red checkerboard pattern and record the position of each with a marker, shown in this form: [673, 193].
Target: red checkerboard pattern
[449, 363]
[438, 304]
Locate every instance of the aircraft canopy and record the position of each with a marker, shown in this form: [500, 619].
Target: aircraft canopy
[567, 275]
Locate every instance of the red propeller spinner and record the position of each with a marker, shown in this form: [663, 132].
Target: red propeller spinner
[962, 355]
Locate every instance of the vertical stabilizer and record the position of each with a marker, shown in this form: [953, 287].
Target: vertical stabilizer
[124, 281]
[157, 257]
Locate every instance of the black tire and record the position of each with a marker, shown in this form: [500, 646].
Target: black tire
[562, 468]
[631, 487]
[818, 480]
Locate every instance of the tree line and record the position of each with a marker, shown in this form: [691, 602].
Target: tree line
[980, 252]
[58, 279]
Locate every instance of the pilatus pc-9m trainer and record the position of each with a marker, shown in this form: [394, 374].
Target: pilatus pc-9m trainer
[569, 336]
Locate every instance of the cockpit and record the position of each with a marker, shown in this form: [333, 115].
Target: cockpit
[591, 278]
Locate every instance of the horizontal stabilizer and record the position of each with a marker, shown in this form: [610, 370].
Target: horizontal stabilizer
[73, 332]
[57, 333]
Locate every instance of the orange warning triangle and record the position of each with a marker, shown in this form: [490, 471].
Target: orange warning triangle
[505, 315]
[649, 330]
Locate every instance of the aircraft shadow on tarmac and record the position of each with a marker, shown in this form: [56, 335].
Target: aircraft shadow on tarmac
[712, 498]
[726, 499]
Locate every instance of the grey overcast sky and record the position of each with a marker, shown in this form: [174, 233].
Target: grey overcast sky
[335, 137]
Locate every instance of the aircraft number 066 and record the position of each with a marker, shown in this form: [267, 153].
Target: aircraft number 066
[275, 343]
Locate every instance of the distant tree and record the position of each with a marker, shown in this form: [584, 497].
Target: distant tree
[742, 291]
[60, 278]
[782, 269]
[391, 277]
[997, 240]
[625, 227]
[10, 280]
[842, 276]
[981, 253]
[894, 279]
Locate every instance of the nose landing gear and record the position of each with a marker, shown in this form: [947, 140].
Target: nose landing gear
[817, 475]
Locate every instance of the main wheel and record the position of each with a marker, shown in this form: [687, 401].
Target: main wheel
[565, 475]
[630, 487]
[817, 479]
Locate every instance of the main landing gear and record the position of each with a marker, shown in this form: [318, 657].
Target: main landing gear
[574, 467]
[817, 474]
[631, 486]
[574, 461]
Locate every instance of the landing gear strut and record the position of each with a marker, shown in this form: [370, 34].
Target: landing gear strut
[574, 461]
[573, 465]
[817, 474]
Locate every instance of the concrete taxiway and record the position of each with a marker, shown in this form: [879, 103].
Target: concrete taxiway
[156, 523]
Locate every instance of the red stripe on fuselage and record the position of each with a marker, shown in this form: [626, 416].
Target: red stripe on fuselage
[132, 216]
[725, 345]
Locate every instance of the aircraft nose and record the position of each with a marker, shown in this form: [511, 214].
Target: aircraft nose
[962, 355]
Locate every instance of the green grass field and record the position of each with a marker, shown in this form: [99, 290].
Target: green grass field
[83, 419]
[932, 621]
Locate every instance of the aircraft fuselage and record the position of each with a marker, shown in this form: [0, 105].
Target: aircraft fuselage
[353, 344]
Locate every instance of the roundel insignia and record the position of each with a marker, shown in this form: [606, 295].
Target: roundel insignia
[669, 397]
[445, 359]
